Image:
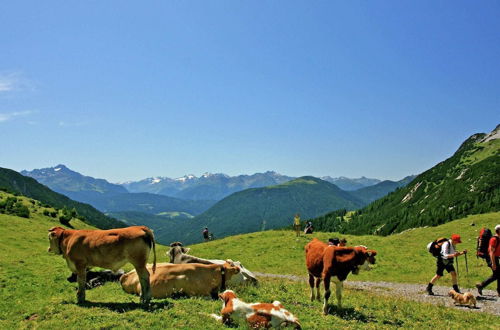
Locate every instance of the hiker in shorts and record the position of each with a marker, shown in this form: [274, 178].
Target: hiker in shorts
[445, 262]
[493, 262]
[296, 224]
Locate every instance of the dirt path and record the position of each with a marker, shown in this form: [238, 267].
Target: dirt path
[488, 303]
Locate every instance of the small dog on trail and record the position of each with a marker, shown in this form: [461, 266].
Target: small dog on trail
[257, 315]
[463, 299]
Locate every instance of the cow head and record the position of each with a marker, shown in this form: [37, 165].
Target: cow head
[55, 236]
[230, 269]
[176, 249]
[227, 296]
[365, 258]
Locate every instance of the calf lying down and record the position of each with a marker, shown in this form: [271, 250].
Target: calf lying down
[257, 315]
[188, 279]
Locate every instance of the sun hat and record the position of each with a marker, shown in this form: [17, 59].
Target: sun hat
[456, 238]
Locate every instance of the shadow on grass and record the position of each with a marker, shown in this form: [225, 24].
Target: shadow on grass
[349, 313]
[123, 307]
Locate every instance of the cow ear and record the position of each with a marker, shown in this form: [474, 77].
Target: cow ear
[372, 253]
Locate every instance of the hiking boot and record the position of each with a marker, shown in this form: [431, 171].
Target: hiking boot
[455, 287]
[429, 290]
[479, 289]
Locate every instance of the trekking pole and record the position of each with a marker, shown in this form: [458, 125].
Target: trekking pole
[466, 266]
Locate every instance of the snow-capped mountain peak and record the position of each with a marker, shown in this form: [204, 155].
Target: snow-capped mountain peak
[186, 177]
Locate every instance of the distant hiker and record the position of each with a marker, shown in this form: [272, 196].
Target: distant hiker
[493, 262]
[206, 234]
[309, 228]
[333, 241]
[296, 224]
[444, 260]
[343, 242]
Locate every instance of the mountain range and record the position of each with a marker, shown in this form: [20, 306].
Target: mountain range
[266, 207]
[109, 197]
[217, 186]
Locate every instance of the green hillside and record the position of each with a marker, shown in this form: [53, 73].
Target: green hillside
[35, 293]
[26, 186]
[267, 208]
[466, 183]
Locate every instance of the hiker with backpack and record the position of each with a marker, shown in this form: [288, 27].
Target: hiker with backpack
[493, 260]
[445, 250]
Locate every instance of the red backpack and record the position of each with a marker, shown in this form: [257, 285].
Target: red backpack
[482, 243]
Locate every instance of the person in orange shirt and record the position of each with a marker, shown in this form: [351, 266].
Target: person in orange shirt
[494, 253]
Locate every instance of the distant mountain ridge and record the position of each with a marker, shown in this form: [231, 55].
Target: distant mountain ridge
[65, 181]
[207, 186]
[109, 197]
[217, 186]
[349, 184]
[29, 187]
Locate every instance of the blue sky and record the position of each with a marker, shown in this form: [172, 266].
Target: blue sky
[127, 90]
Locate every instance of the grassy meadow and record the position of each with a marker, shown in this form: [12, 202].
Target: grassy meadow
[401, 257]
[35, 293]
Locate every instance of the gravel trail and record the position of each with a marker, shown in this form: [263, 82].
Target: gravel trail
[489, 302]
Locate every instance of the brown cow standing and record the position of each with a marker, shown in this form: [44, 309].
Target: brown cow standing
[109, 249]
[324, 261]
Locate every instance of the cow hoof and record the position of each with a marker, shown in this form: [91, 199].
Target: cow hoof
[325, 311]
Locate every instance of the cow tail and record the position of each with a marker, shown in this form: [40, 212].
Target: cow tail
[151, 237]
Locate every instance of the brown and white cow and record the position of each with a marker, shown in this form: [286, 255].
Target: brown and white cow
[256, 315]
[178, 255]
[325, 261]
[109, 249]
[189, 279]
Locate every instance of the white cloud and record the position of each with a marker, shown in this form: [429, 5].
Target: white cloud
[13, 81]
[6, 116]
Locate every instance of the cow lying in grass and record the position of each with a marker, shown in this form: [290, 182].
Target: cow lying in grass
[189, 279]
[256, 315]
[325, 261]
[178, 254]
[109, 249]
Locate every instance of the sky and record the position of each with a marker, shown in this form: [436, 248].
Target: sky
[126, 90]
